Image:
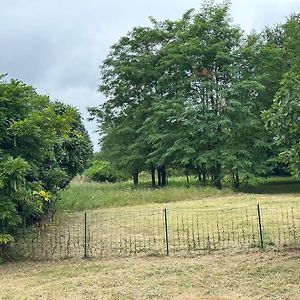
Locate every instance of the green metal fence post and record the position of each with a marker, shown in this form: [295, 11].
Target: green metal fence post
[260, 228]
[166, 231]
[85, 255]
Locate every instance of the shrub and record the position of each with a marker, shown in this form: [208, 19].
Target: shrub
[43, 145]
[103, 171]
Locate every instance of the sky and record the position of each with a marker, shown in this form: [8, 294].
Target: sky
[57, 46]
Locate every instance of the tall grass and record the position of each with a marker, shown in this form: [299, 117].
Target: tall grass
[82, 195]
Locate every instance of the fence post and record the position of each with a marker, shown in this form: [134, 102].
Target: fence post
[85, 255]
[166, 231]
[260, 228]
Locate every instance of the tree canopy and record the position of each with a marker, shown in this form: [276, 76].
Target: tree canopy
[189, 94]
[283, 117]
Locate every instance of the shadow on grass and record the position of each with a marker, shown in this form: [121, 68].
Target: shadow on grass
[280, 187]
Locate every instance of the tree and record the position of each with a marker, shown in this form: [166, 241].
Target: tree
[189, 94]
[204, 116]
[283, 117]
[283, 120]
[74, 149]
[129, 79]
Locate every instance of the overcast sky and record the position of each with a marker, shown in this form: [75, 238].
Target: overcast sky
[57, 45]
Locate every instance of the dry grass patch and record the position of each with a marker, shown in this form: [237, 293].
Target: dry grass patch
[269, 275]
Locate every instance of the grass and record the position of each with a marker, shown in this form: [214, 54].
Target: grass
[274, 185]
[226, 274]
[82, 195]
[123, 221]
[269, 275]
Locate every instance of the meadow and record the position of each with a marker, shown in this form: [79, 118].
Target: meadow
[84, 195]
[124, 263]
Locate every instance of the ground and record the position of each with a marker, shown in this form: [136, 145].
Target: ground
[231, 274]
[252, 275]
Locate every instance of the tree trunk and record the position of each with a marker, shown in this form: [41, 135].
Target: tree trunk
[199, 177]
[212, 175]
[153, 176]
[204, 174]
[13, 183]
[199, 174]
[217, 176]
[163, 176]
[159, 177]
[187, 179]
[236, 180]
[135, 177]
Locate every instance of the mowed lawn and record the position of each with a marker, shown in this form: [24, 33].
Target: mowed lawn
[244, 274]
[268, 275]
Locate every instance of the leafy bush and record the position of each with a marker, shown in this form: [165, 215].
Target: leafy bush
[103, 171]
[43, 145]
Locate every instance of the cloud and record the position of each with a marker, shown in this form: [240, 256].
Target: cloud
[57, 45]
[257, 14]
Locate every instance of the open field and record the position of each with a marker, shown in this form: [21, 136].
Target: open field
[203, 224]
[134, 266]
[83, 195]
[268, 275]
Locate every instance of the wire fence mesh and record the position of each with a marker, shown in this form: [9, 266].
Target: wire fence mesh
[173, 232]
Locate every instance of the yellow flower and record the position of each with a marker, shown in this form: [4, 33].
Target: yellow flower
[43, 194]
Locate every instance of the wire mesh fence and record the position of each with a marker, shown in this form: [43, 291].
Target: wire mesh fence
[173, 232]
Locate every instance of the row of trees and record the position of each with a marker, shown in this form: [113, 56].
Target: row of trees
[190, 94]
[43, 145]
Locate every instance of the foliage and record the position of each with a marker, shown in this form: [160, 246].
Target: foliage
[188, 94]
[43, 145]
[284, 115]
[103, 171]
[283, 119]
